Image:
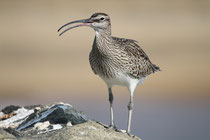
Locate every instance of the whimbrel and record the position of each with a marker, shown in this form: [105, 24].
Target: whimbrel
[118, 61]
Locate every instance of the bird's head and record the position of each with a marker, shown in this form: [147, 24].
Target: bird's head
[100, 22]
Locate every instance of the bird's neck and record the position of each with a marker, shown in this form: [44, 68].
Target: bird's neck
[103, 32]
[103, 35]
[102, 43]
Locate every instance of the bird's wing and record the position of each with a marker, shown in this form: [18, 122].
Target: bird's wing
[139, 64]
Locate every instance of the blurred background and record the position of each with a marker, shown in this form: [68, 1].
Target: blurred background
[39, 67]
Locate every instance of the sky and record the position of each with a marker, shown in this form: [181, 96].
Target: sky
[39, 67]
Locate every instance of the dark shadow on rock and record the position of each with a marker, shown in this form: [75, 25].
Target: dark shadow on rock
[57, 114]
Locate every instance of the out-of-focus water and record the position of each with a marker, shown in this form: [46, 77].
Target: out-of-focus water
[153, 119]
[158, 121]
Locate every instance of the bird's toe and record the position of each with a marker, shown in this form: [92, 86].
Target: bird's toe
[129, 134]
[112, 127]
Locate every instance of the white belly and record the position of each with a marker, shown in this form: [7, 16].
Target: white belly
[122, 79]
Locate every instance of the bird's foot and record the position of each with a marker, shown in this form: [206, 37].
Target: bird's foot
[129, 134]
[112, 127]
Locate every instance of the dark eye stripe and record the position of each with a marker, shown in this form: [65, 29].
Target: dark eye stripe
[99, 20]
[96, 20]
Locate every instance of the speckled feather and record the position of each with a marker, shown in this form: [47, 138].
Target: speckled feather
[111, 55]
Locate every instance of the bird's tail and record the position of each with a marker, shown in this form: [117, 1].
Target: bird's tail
[156, 68]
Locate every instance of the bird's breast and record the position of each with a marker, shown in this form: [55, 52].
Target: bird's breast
[101, 65]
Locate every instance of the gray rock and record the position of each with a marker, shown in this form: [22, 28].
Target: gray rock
[56, 122]
[14, 119]
[56, 114]
[6, 136]
[86, 131]
[10, 109]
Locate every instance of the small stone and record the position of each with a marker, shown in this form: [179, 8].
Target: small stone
[42, 125]
[36, 109]
[1, 115]
[6, 116]
[57, 126]
[32, 106]
[68, 124]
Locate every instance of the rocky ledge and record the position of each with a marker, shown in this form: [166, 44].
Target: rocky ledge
[55, 122]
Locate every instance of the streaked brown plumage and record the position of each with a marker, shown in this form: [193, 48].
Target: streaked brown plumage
[118, 61]
[121, 54]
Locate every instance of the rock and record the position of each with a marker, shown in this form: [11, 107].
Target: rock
[55, 114]
[35, 107]
[41, 126]
[14, 132]
[68, 124]
[17, 119]
[6, 116]
[1, 115]
[56, 126]
[6, 136]
[86, 131]
[56, 122]
[10, 109]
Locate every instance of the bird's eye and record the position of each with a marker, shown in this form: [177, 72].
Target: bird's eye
[102, 18]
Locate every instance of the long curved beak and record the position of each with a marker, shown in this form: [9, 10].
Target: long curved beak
[83, 22]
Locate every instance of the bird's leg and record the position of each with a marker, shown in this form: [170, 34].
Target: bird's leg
[130, 108]
[111, 98]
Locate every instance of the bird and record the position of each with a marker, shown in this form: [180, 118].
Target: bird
[117, 61]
